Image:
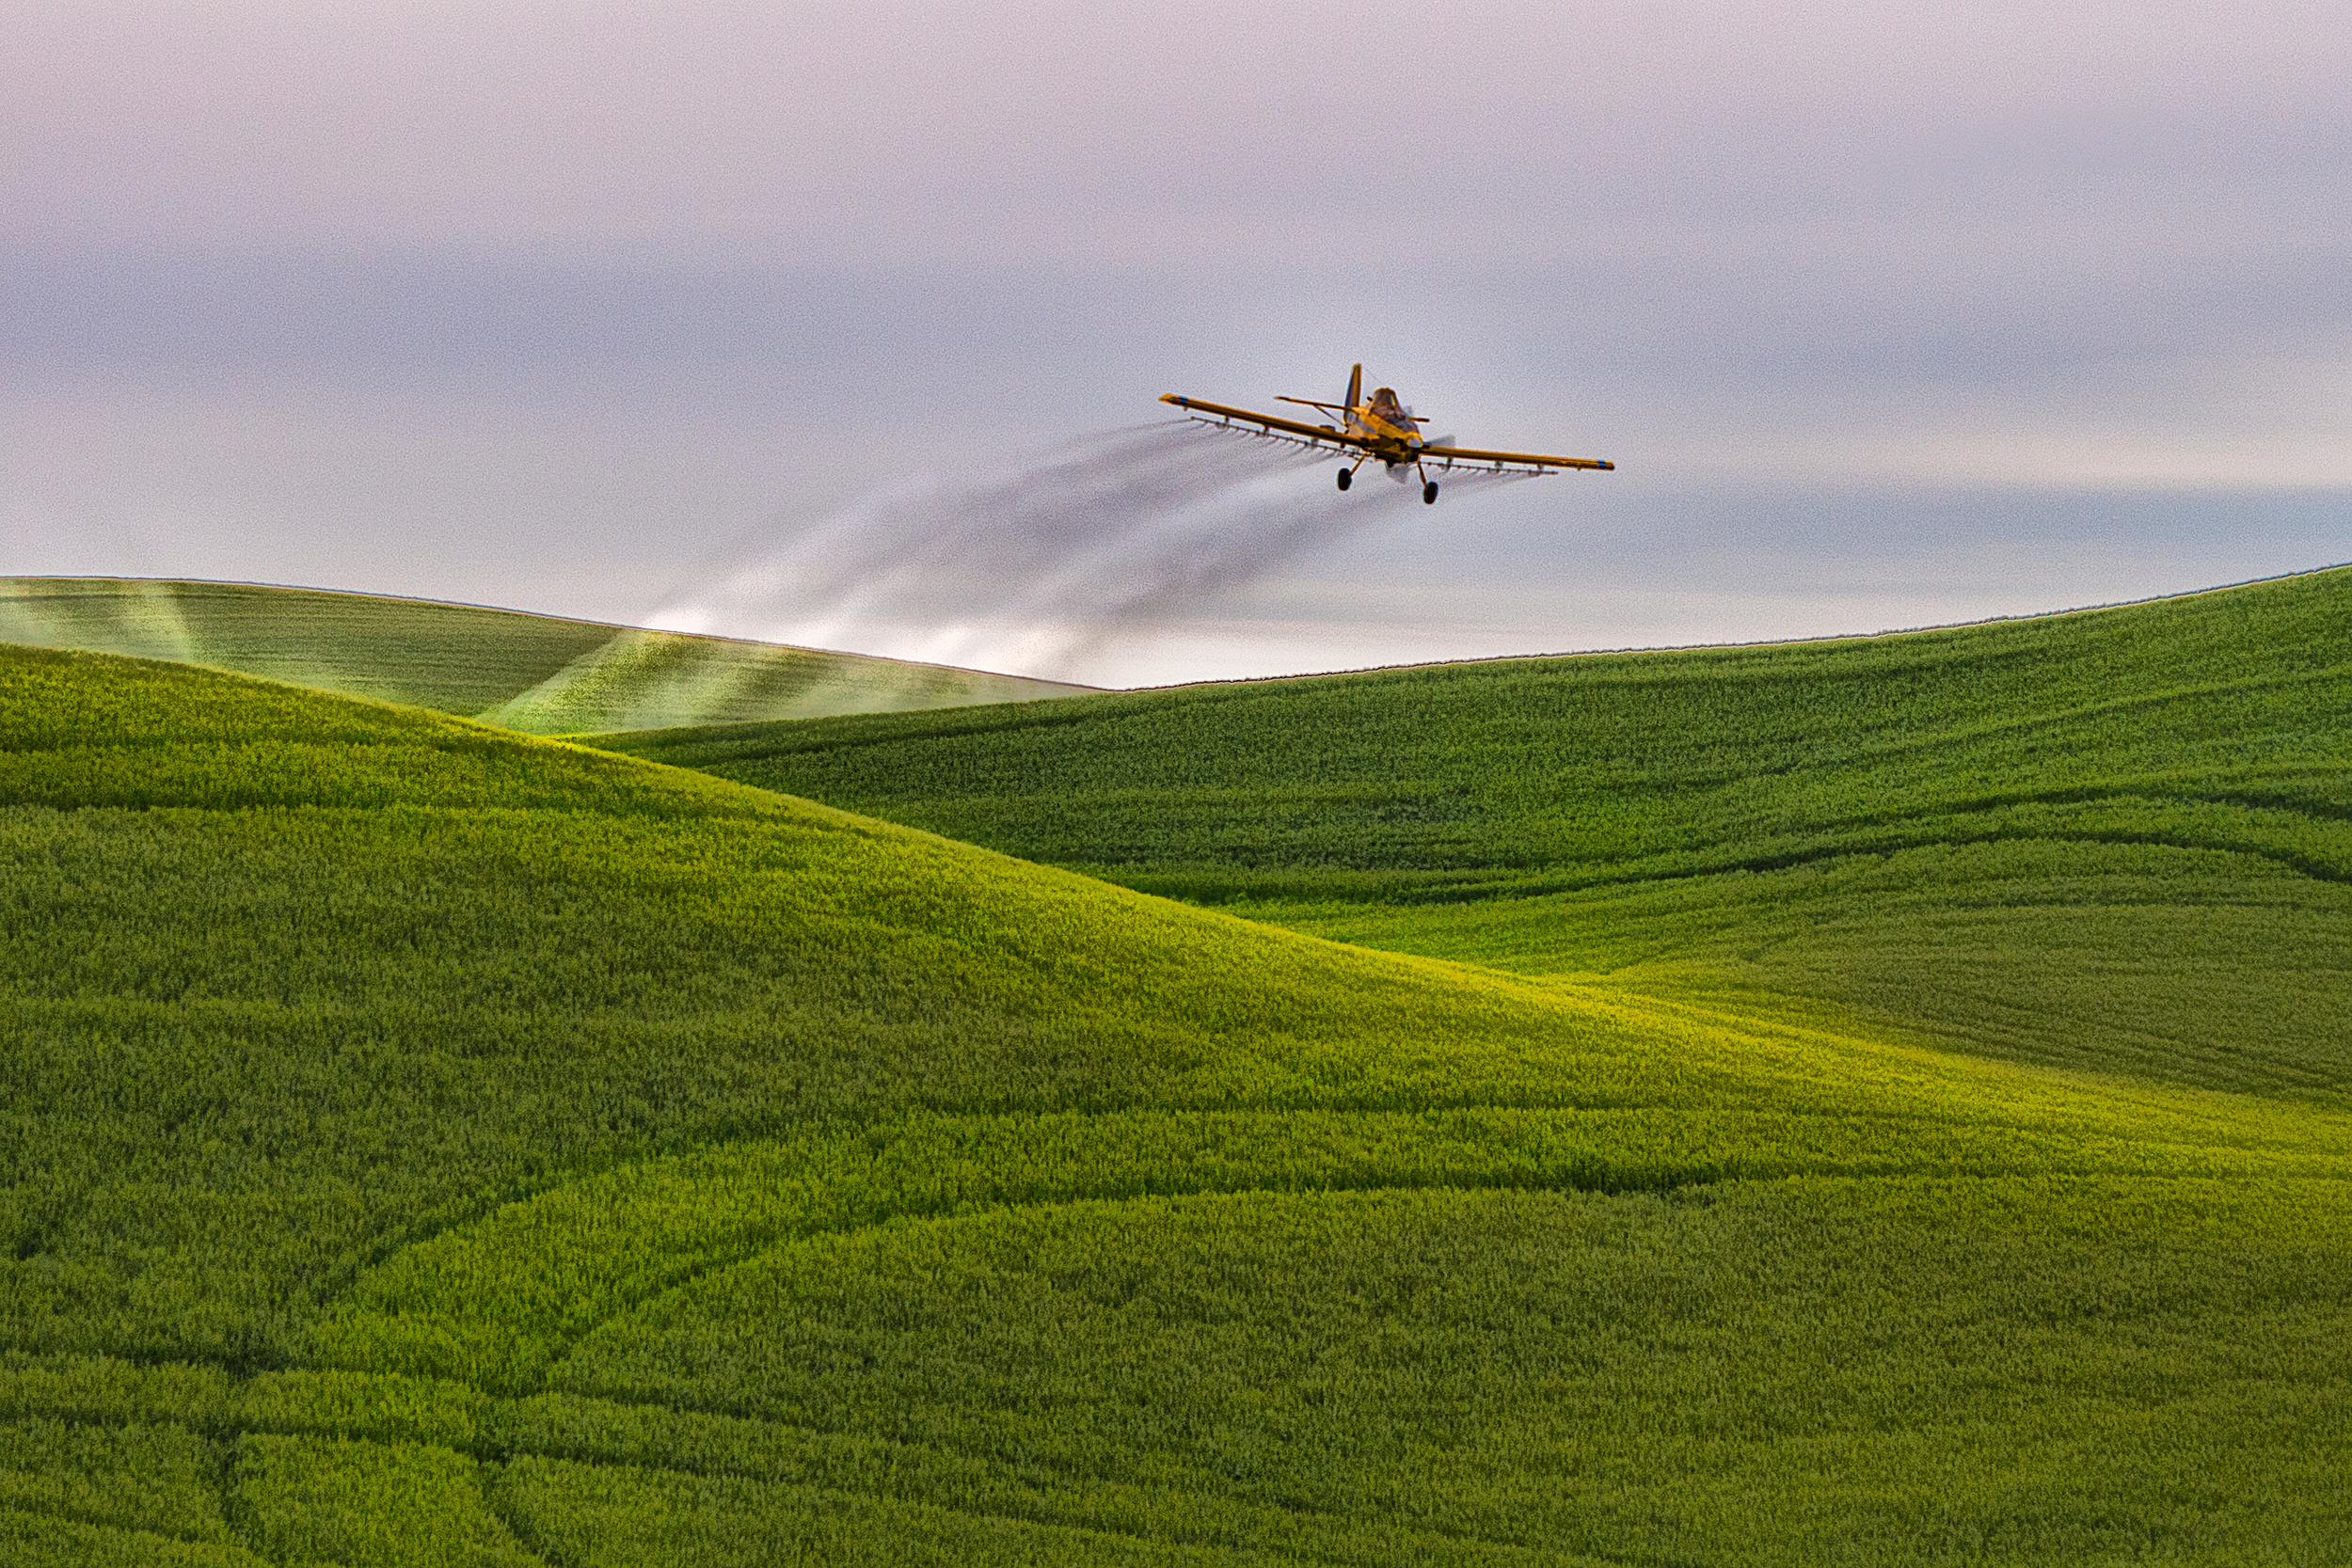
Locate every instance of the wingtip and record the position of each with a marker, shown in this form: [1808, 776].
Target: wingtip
[1179, 401]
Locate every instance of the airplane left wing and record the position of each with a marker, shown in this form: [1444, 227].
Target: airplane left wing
[1217, 413]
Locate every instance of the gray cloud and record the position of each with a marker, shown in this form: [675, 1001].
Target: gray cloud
[549, 302]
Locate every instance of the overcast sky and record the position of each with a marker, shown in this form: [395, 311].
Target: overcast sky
[1890, 314]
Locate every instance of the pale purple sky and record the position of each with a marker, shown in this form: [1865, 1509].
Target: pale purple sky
[1890, 314]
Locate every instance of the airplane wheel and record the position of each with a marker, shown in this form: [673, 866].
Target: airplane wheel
[1347, 477]
[1429, 493]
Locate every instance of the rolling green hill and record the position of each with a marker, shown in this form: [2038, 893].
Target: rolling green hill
[537, 673]
[2119, 839]
[426, 1144]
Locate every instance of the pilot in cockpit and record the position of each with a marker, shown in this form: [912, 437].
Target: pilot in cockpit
[1385, 408]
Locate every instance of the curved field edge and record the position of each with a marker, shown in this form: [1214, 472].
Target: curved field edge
[1856, 1369]
[494, 1304]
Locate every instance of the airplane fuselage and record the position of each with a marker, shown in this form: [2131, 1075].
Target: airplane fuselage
[1392, 435]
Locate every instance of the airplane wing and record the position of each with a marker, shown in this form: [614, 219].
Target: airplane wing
[1473, 457]
[1217, 413]
[1325, 435]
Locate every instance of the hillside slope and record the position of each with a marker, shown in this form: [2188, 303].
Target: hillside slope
[425, 1144]
[2118, 839]
[538, 673]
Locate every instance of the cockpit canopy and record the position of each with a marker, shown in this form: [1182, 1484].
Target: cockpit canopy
[1386, 406]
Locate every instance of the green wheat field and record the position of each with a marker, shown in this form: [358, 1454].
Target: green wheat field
[1882, 1101]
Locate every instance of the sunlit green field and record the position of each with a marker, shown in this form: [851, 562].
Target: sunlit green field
[429, 1145]
[538, 673]
[2118, 840]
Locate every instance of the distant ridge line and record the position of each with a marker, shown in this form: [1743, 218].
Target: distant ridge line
[514, 669]
[1758, 642]
[429, 602]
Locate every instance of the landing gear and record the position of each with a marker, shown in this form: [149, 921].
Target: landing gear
[1429, 492]
[1347, 477]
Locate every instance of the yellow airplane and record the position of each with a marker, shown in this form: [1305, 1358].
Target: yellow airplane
[1383, 428]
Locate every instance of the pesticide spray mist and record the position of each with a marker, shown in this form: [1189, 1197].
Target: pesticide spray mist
[1034, 567]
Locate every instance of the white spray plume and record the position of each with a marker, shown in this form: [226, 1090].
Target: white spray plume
[1030, 568]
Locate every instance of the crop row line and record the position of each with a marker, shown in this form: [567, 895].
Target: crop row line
[665, 1439]
[2316, 870]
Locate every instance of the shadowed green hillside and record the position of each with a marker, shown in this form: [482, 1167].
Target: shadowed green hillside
[2118, 839]
[424, 1143]
[537, 673]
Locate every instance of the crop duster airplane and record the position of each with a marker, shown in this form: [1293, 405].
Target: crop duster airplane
[1383, 428]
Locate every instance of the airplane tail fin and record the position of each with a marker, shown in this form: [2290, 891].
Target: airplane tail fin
[1355, 385]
